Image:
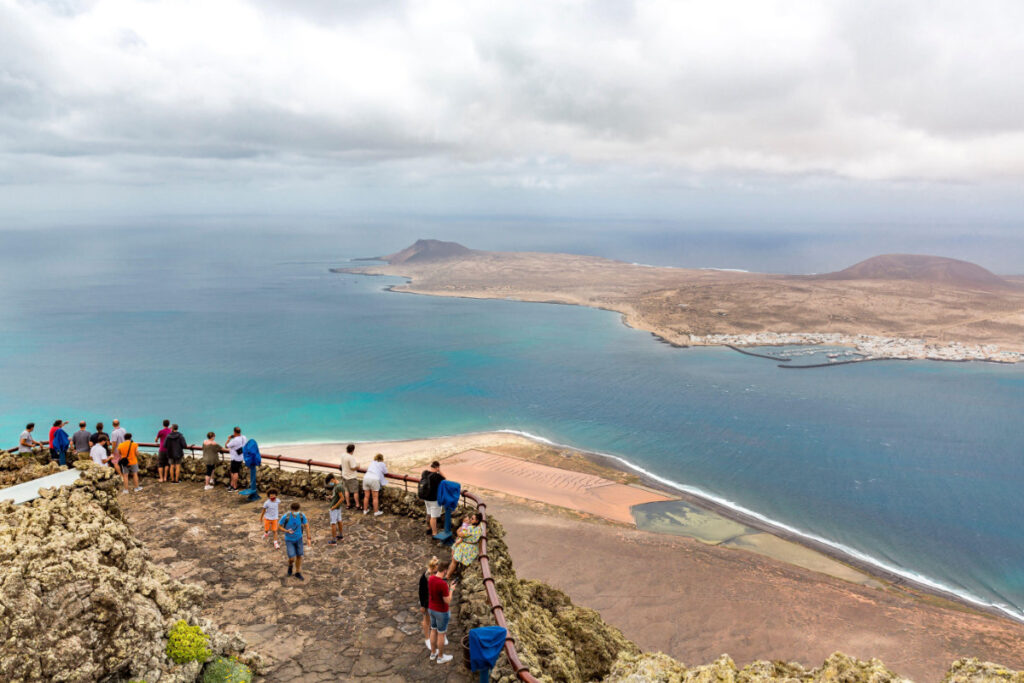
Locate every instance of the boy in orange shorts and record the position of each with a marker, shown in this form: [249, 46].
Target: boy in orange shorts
[269, 515]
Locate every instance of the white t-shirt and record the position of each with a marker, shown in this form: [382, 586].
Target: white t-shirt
[117, 438]
[377, 470]
[348, 466]
[98, 454]
[270, 508]
[25, 436]
[235, 444]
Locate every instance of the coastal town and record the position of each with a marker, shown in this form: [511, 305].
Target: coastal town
[866, 346]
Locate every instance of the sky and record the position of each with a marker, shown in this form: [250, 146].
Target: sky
[831, 116]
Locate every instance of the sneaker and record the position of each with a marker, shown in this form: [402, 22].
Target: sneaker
[138, 488]
[125, 491]
[339, 538]
[433, 655]
[378, 513]
[444, 659]
[366, 512]
[299, 576]
[427, 641]
[208, 487]
[289, 570]
[332, 542]
[446, 640]
[276, 544]
[265, 534]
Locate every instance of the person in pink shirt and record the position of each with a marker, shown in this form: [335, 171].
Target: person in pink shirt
[163, 465]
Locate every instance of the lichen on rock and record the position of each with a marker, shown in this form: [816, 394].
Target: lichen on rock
[80, 599]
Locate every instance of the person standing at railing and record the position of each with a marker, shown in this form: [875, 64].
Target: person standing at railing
[117, 435]
[161, 454]
[175, 446]
[80, 439]
[375, 477]
[350, 477]
[100, 434]
[235, 445]
[430, 480]
[98, 452]
[129, 452]
[25, 442]
[59, 442]
[53, 430]
[211, 458]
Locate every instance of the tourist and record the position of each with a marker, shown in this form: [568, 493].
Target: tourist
[425, 601]
[294, 524]
[81, 439]
[57, 425]
[100, 434]
[429, 481]
[350, 476]
[376, 476]
[467, 543]
[98, 452]
[162, 464]
[117, 435]
[235, 445]
[175, 446]
[25, 442]
[335, 487]
[269, 515]
[211, 458]
[438, 598]
[129, 454]
[59, 442]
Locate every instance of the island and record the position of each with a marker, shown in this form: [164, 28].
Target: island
[893, 306]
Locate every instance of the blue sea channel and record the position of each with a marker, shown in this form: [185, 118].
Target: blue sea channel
[914, 466]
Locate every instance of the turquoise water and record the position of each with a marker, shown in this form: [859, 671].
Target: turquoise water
[916, 466]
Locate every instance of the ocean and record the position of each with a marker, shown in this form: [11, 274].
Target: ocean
[913, 466]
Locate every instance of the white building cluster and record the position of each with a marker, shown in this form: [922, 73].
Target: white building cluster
[869, 345]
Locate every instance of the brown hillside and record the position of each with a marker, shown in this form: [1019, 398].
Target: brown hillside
[920, 268]
[427, 251]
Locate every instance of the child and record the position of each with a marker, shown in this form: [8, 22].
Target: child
[295, 524]
[337, 488]
[269, 515]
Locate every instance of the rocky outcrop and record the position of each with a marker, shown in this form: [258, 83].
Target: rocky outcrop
[973, 671]
[660, 668]
[556, 640]
[17, 468]
[80, 598]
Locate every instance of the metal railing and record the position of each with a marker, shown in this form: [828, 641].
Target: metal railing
[521, 671]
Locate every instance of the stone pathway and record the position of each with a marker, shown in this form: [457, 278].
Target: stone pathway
[356, 616]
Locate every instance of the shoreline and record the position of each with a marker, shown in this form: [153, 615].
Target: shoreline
[904, 580]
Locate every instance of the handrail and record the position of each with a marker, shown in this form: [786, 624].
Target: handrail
[521, 671]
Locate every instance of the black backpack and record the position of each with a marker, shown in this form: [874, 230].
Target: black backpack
[424, 485]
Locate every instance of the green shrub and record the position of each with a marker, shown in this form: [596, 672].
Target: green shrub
[223, 670]
[187, 643]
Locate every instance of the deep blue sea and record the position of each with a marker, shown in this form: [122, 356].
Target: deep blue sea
[917, 466]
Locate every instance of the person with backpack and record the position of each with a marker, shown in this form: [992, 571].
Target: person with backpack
[174, 446]
[294, 524]
[59, 442]
[429, 482]
[129, 452]
[235, 445]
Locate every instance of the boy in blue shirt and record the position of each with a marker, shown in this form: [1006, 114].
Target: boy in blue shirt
[294, 524]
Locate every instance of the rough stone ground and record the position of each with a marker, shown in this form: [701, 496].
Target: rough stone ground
[356, 616]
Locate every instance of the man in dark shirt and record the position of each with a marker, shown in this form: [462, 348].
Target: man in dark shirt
[433, 479]
[175, 446]
[81, 441]
[98, 435]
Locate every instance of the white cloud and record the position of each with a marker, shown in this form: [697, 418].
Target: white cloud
[158, 91]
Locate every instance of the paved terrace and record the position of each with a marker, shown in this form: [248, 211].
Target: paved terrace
[356, 616]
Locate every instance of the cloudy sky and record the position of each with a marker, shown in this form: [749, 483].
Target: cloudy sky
[780, 111]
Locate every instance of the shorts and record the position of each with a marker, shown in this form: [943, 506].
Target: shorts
[210, 469]
[269, 524]
[433, 509]
[351, 485]
[371, 483]
[177, 460]
[132, 469]
[161, 459]
[236, 466]
[335, 516]
[438, 620]
[294, 548]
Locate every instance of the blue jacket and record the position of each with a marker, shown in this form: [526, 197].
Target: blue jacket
[448, 492]
[60, 441]
[485, 644]
[251, 453]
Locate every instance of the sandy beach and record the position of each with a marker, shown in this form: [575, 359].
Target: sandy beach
[720, 585]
